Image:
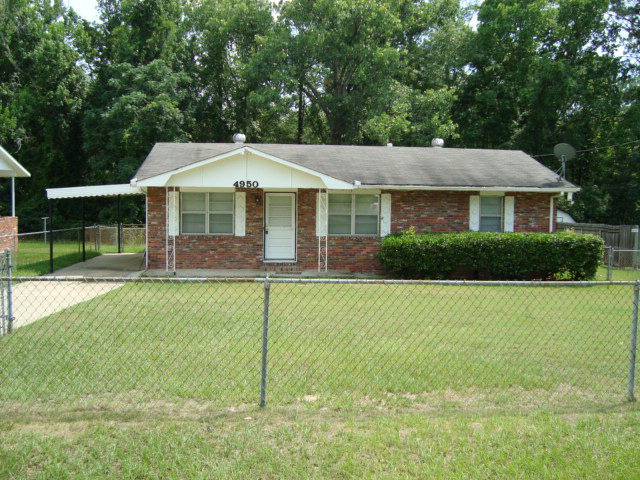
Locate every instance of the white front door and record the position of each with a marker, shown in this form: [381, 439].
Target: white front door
[280, 226]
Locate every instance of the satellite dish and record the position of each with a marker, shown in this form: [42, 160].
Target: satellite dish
[564, 151]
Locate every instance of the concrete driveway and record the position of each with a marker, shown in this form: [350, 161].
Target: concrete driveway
[106, 265]
[38, 299]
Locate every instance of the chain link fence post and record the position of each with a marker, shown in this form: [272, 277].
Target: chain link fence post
[265, 344]
[610, 264]
[634, 339]
[7, 253]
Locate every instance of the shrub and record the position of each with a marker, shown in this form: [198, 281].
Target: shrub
[497, 256]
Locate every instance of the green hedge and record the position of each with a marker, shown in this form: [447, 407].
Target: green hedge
[496, 256]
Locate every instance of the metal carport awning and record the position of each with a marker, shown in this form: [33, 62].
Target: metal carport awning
[86, 192]
[93, 191]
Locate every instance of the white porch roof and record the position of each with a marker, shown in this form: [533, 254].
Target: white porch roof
[9, 166]
[93, 191]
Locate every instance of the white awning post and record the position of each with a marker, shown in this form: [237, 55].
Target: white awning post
[13, 196]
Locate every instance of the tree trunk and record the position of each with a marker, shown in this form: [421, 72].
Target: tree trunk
[300, 112]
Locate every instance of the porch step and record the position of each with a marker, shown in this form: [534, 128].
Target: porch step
[288, 267]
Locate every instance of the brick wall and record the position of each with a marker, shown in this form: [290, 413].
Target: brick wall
[531, 212]
[425, 211]
[8, 226]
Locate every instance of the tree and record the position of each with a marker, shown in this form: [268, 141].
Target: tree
[141, 106]
[344, 54]
[42, 89]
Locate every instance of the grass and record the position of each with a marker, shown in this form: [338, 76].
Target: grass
[302, 444]
[33, 255]
[365, 381]
[338, 344]
[618, 274]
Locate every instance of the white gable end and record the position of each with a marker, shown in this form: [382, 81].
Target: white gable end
[262, 171]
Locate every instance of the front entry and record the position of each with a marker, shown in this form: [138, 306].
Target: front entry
[280, 226]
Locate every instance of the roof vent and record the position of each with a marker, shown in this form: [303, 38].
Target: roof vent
[389, 144]
[239, 138]
[437, 143]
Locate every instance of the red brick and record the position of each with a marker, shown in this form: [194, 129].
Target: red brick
[424, 210]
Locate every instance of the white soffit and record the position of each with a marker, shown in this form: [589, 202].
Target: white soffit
[93, 191]
[9, 166]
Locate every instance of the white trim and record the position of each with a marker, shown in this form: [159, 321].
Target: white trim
[551, 215]
[385, 214]
[18, 170]
[322, 214]
[509, 213]
[359, 190]
[162, 179]
[173, 215]
[474, 213]
[207, 189]
[475, 189]
[240, 214]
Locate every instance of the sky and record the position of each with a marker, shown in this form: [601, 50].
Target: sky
[85, 8]
[88, 8]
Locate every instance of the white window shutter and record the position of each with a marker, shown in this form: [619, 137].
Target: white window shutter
[474, 213]
[385, 214]
[240, 214]
[322, 214]
[509, 216]
[173, 216]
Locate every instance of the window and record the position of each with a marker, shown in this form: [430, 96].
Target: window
[353, 214]
[491, 214]
[207, 213]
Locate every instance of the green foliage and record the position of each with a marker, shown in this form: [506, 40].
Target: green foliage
[498, 256]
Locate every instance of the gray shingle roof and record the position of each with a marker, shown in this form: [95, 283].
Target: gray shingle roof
[402, 166]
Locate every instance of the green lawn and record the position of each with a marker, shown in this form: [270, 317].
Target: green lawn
[364, 381]
[618, 274]
[337, 344]
[280, 443]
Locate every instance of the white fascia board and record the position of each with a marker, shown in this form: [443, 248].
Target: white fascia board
[17, 169]
[163, 179]
[475, 189]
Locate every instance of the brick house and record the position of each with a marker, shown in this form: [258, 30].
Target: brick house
[303, 207]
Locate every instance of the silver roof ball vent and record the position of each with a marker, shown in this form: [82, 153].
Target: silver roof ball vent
[437, 143]
[239, 138]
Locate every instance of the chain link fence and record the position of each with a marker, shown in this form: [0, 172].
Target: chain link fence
[31, 251]
[204, 343]
[621, 264]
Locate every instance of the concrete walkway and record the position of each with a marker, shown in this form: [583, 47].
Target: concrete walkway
[38, 299]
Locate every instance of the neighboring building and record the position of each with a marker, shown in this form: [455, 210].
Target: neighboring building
[564, 217]
[10, 168]
[300, 207]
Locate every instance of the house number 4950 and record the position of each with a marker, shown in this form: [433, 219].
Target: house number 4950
[247, 184]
